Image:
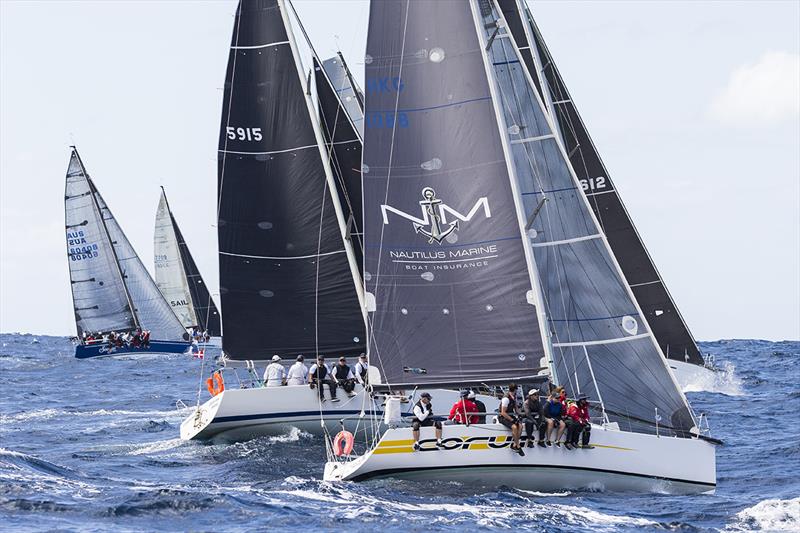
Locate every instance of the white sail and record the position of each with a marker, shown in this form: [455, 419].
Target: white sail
[170, 275]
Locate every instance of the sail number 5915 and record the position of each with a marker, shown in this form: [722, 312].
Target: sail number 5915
[244, 134]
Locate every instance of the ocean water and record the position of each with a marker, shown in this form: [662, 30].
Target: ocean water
[93, 446]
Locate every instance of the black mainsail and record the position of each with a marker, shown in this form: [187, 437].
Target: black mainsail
[450, 297]
[178, 277]
[601, 342]
[669, 328]
[286, 279]
[111, 288]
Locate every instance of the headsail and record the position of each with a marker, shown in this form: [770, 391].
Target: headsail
[448, 284]
[602, 345]
[339, 110]
[150, 310]
[178, 277]
[671, 331]
[285, 279]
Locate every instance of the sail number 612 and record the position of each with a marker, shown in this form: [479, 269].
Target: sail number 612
[244, 134]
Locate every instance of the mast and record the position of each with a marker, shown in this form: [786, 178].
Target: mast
[534, 296]
[359, 96]
[108, 236]
[326, 165]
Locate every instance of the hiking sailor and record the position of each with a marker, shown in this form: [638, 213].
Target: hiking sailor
[275, 374]
[532, 412]
[318, 375]
[464, 411]
[508, 417]
[344, 377]
[362, 369]
[423, 417]
[480, 407]
[578, 422]
[298, 372]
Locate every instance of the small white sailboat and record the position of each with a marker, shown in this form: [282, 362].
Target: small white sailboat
[179, 279]
[507, 266]
[118, 308]
[289, 235]
[668, 325]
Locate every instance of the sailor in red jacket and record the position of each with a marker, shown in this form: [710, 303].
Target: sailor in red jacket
[578, 422]
[464, 411]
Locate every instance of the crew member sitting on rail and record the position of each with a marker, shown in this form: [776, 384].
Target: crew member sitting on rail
[298, 372]
[319, 375]
[423, 417]
[553, 414]
[532, 412]
[344, 377]
[146, 339]
[480, 407]
[464, 411]
[275, 374]
[578, 422]
[362, 370]
[508, 417]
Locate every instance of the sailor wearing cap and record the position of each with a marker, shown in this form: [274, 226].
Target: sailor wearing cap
[362, 369]
[275, 374]
[480, 407]
[423, 417]
[298, 372]
[578, 423]
[532, 415]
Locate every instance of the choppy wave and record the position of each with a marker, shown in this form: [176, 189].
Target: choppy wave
[769, 515]
[723, 380]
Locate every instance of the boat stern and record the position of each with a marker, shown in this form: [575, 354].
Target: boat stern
[196, 425]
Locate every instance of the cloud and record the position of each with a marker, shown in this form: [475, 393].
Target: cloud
[763, 93]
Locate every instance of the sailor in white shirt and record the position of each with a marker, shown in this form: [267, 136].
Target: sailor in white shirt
[298, 373]
[361, 369]
[275, 374]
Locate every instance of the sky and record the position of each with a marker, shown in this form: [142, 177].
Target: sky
[694, 107]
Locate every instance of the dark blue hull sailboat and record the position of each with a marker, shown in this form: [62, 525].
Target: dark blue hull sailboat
[86, 351]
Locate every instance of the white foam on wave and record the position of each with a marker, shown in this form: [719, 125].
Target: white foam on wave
[44, 414]
[721, 381]
[769, 515]
[156, 447]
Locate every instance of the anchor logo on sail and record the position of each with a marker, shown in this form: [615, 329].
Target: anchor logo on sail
[434, 225]
[430, 206]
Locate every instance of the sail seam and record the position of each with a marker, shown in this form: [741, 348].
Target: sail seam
[269, 153]
[600, 342]
[257, 46]
[282, 257]
[532, 139]
[567, 241]
[645, 283]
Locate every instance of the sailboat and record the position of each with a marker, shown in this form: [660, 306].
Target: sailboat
[179, 279]
[118, 308]
[289, 192]
[668, 325]
[505, 266]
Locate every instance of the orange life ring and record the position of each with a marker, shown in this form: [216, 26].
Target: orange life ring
[343, 443]
[215, 384]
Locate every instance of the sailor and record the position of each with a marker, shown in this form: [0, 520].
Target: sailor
[578, 421]
[532, 412]
[318, 375]
[298, 372]
[464, 411]
[480, 407]
[423, 417]
[275, 374]
[344, 377]
[146, 338]
[508, 417]
[553, 417]
[362, 369]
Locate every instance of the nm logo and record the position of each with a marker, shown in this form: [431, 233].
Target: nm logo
[434, 225]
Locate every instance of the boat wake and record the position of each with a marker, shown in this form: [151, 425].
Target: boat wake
[722, 381]
[769, 515]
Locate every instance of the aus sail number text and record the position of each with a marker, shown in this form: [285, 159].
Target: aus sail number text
[244, 134]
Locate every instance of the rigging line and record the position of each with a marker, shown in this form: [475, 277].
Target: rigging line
[371, 332]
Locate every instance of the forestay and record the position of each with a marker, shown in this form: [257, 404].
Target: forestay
[448, 283]
[285, 281]
[601, 342]
[669, 328]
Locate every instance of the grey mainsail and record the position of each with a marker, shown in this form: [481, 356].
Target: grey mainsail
[602, 344]
[286, 283]
[666, 321]
[150, 310]
[449, 290]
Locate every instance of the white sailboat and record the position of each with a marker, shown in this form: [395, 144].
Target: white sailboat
[179, 279]
[506, 266]
[290, 245]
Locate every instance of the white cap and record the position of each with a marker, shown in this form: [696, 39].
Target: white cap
[471, 395]
[276, 358]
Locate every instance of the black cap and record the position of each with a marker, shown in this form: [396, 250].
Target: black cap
[582, 398]
[464, 393]
[425, 395]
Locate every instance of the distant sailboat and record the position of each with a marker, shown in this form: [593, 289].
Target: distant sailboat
[663, 316]
[505, 271]
[178, 277]
[116, 302]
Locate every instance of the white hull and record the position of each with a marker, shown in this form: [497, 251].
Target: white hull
[480, 455]
[692, 376]
[241, 414]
